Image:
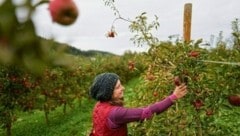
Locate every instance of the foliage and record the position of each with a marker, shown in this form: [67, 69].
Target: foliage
[143, 30]
[15, 88]
[208, 90]
[75, 122]
[19, 44]
[58, 86]
[236, 34]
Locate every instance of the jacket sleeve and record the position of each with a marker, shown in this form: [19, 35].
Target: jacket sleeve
[120, 115]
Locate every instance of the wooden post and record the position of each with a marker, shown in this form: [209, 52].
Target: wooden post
[187, 22]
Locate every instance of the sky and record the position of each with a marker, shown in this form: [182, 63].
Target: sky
[88, 32]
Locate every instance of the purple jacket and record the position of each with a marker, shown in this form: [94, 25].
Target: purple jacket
[120, 115]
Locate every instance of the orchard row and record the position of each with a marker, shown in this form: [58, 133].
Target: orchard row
[23, 91]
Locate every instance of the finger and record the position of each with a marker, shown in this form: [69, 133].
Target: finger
[183, 89]
[182, 86]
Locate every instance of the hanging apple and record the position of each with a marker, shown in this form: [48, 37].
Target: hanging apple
[198, 104]
[209, 112]
[150, 77]
[64, 12]
[131, 65]
[111, 34]
[234, 100]
[193, 54]
[177, 81]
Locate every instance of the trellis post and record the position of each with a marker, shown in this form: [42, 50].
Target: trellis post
[187, 22]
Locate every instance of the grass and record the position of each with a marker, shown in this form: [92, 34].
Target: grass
[76, 122]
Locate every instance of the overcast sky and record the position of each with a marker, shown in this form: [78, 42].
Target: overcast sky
[209, 17]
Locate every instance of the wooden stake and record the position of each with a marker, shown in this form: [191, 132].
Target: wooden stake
[187, 22]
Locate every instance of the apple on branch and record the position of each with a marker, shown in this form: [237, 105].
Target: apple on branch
[64, 12]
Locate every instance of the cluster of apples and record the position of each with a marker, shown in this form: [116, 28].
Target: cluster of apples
[198, 103]
[64, 12]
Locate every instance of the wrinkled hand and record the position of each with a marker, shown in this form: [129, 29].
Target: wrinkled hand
[180, 90]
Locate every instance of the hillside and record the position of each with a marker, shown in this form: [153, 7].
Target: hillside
[75, 51]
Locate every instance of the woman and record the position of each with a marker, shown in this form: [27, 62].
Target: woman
[110, 118]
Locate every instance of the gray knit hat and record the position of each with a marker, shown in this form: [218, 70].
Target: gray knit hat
[103, 86]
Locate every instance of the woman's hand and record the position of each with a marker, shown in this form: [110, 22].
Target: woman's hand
[180, 91]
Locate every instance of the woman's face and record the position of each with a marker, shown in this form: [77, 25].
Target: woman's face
[118, 91]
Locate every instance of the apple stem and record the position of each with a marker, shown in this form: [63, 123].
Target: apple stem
[40, 3]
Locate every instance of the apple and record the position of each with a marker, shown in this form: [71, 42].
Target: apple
[209, 112]
[193, 54]
[111, 34]
[155, 93]
[131, 65]
[198, 104]
[177, 80]
[4, 41]
[234, 100]
[150, 77]
[64, 12]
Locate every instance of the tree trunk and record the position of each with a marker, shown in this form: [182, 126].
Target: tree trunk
[9, 128]
[64, 108]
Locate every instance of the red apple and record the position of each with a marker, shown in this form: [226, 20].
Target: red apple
[155, 93]
[150, 77]
[193, 54]
[111, 34]
[4, 41]
[177, 80]
[198, 104]
[131, 65]
[64, 12]
[234, 100]
[209, 112]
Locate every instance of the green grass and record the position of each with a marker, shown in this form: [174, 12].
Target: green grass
[76, 122]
